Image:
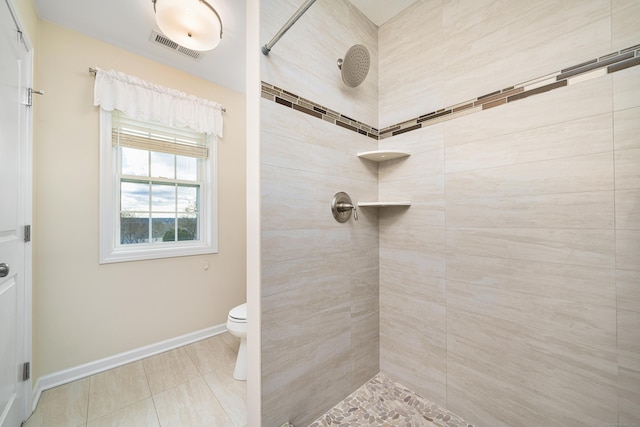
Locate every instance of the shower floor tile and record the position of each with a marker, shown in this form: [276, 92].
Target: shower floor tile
[383, 402]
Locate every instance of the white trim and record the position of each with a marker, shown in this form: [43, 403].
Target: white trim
[109, 249]
[253, 58]
[82, 371]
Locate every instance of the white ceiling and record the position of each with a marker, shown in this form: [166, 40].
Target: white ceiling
[380, 11]
[128, 25]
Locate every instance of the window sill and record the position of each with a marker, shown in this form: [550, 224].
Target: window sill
[147, 253]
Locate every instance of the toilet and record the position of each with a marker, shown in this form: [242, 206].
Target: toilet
[237, 326]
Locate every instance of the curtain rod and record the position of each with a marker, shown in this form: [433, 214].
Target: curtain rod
[94, 71]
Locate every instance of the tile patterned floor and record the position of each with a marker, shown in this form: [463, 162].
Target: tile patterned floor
[383, 402]
[188, 386]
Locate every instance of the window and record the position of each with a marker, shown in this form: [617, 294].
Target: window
[158, 190]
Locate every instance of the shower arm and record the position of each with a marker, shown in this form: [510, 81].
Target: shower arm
[306, 5]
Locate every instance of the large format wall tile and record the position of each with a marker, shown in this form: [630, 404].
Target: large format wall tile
[319, 277]
[310, 49]
[588, 99]
[549, 142]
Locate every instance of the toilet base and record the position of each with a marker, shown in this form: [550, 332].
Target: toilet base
[240, 371]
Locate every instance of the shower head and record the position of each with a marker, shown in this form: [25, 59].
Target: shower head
[355, 65]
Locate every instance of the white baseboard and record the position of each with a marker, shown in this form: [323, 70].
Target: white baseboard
[62, 377]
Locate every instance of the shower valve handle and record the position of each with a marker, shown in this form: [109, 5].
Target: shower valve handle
[341, 206]
[345, 207]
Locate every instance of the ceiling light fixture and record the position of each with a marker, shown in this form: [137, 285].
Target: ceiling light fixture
[194, 24]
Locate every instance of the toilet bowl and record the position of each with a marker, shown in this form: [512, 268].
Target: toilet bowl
[237, 326]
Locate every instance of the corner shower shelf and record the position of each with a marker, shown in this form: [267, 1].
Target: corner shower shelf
[382, 155]
[382, 204]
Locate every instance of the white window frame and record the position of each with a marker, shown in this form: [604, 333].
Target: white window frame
[110, 249]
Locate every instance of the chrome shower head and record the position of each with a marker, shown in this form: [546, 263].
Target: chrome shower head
[355, 65]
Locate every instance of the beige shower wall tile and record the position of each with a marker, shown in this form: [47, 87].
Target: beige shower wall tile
[412, 168]
[573, 138]
[300, 213]
[591, 361]
[365, 348]
[498, 60]
[628, 249]
[626, 127]
[624, 24]
[117, 388]
[588, 99]
[431, 264]
[593, 172]
[288, 275]
[302, 153]
[319, 298]
[582, 284]
[299, 141]
[629, 387]
[627, 169]
[419, 178]
[527, 24]
[424, 139]
[285, 183]
[411, 73]
[627, 209]
[588, 325]
[284, 245]
[405, 278]
[491, 45]
[314, 366]
[629, 331]
[567, 210]
[594, 248]
[364, 278]
[626, 89]
[524, 372]
[413, 344]
[628, 290]
[300, 56]
[409, 234]
[498, 405]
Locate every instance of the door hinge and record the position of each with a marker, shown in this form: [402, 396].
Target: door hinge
[27, 233]
[26, 371]
[30, 93]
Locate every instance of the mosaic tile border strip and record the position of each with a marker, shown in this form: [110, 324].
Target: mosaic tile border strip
[616, 61]
[291, 100]
[383, 402]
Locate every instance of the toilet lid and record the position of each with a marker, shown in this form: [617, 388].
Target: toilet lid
[239, 312]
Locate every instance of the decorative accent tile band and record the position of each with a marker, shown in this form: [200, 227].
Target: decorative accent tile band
[607, 64]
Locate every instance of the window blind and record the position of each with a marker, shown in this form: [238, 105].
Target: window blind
[127, 132]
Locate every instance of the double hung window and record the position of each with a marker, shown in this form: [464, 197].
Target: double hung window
[158, 190]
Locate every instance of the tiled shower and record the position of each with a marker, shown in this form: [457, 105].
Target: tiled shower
[509, 291]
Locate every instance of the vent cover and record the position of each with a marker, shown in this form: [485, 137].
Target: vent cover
[160, 39]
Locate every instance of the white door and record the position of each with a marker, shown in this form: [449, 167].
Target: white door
[14, 61]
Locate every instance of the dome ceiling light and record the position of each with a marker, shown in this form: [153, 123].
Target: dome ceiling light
[194, 24]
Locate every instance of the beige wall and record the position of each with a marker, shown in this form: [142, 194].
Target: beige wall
[509, 290]
[85, 311]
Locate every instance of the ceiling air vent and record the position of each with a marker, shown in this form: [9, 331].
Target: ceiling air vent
[161, 39]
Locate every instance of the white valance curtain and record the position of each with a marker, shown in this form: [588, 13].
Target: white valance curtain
[143, 100]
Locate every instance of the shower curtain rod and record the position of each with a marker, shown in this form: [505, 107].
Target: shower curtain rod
[94, 71]
[306, 5]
